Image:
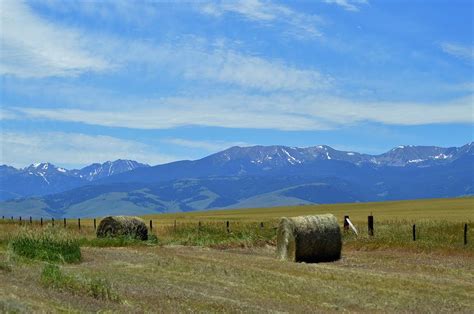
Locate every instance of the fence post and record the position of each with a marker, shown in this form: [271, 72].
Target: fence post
[175, 225]
[199, 226]
[52, 221]
[64, 222]
[41, 222]
[371, 225]
[31, 220]
[414, 232]
[79, 223]
[346, 223]
[261, 225]
[227, 226]
[20, 220]
[95, 225]
[151, 224]
[465, 234]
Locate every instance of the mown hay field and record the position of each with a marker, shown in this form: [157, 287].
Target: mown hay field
[204, 265]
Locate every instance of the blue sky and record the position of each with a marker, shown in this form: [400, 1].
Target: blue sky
[90, 81]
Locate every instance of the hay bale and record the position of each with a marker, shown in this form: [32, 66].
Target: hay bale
[122, 226]
[309, 239]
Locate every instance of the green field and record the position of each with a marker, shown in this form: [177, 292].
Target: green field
[202, 266]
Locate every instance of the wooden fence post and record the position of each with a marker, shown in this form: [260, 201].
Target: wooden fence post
[371, 225]
[151, 224]
[52, 221]
[64, 221]
[95, 225]
[414, 232]
[346, 223]
[20, 220]
[261, 225]
[79, 223]
[175, 225]
[465, 234]
[228, 226]
[31, 220]
[41, 222]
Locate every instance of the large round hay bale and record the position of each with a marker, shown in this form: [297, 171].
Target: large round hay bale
[309, 239]
[114, 226]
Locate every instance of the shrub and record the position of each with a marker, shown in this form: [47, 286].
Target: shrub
[53, 245]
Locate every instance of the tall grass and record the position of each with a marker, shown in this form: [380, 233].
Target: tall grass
[430, 234]
[53, 277]
[216, 234]
[119, 241]
[49, 244]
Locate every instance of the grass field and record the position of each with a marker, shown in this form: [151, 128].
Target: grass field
[206, 268]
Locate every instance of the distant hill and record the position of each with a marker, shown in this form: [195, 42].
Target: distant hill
[260, 176]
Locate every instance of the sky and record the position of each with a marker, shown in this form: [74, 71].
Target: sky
[159, 81]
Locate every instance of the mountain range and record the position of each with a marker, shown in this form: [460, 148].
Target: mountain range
[257, 176]
[45, 178]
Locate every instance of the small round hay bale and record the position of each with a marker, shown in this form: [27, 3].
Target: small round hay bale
[309, 239]
[114, 226]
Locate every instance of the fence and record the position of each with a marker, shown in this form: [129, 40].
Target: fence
[71, 223]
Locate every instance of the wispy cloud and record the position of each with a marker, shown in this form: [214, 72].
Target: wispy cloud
[231, 67]
[348, 5]
[278, 111]
[299, 24]
[198, 59]
[211, 146]
[22, 149]
[459, 51]
[33, 47]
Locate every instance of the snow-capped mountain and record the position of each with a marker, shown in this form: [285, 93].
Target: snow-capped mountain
[258, 176]
[311, 161]
[45, 178]
[275, 156]
[98, 171]
[404, 171]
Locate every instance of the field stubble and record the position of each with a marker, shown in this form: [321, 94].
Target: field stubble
[207, 267]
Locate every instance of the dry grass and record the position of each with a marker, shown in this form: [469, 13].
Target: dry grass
[177, 279]
[388, 272]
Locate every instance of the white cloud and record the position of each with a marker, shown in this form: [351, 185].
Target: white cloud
[459, 51]
[298, 24]
[33, 47]
[75, 149]
[348, 5]
[231, 67]
[277, 111]
[212, 146]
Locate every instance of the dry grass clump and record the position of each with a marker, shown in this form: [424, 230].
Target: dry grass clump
[114, 226]
[309, 239]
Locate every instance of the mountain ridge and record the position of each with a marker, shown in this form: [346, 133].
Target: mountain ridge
[263, 176]
[45, 178]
